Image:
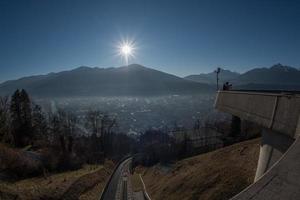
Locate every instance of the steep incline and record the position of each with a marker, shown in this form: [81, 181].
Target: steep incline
[217, 175]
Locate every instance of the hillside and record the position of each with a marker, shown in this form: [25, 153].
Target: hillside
[277, 77]
[85, 183]
[217, 175]
[85, 81]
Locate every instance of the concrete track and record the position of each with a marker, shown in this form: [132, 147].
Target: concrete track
[115, 188]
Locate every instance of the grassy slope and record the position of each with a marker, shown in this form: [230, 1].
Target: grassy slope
[136, 183]
[217, 175]
[90, 180]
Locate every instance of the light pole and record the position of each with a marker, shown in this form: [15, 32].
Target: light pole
[217, 71]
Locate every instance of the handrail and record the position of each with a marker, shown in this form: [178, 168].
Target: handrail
[144, 189]
[262, 92]
[270, 91]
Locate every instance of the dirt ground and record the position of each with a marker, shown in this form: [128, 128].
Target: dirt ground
[217, 175]
[85, 183]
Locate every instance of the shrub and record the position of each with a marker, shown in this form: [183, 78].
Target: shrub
[19, 164]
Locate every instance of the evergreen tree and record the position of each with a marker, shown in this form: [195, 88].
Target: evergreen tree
[15, 111]
[21, 118]
[26, 117]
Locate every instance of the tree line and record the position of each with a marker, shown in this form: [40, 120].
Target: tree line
[55, 138]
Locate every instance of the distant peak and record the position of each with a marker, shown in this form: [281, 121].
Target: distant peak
[86, 68]
[133, 67]
[278, 65]
[281, 67]
[136, 66]
[81, 68]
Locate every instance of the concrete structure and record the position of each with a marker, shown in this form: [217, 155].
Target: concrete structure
[278, 170]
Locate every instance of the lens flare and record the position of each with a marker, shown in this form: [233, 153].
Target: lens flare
[126, 50]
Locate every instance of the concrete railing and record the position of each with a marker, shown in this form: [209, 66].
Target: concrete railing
[278, 170]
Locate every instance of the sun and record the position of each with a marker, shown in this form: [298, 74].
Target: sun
[126, 50]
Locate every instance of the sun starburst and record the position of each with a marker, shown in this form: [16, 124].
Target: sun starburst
[126, 49]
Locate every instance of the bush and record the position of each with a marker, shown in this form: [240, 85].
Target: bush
[50, 158]
[54, 160]
[19, 164]
[68, 162]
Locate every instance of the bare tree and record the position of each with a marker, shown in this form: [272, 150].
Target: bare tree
[93, 122]
[5, 135]
[63, 126]
[39, 123]
[100, 125]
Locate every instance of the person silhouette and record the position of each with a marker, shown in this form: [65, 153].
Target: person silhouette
[227, 86]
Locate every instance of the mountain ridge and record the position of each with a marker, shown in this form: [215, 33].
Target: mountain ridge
[138, 80]
[133, 79]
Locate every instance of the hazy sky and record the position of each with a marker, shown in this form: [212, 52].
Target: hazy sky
[176, 36]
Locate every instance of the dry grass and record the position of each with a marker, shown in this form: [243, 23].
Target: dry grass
[136, 183]
[88, 182]
[217, 175]
[94, 193]
[59, 185]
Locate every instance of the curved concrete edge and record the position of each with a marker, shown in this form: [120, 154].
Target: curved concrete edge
[281, 181]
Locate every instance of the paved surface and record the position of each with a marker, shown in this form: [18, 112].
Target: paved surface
[115, 188]
[138, 195]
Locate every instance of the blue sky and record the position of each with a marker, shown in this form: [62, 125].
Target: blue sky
[177, 36]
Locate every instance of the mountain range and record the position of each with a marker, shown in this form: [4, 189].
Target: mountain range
[277, 77]
[139, 80]
[86, 81]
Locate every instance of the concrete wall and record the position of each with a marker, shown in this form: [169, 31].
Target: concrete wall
[278, 112]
